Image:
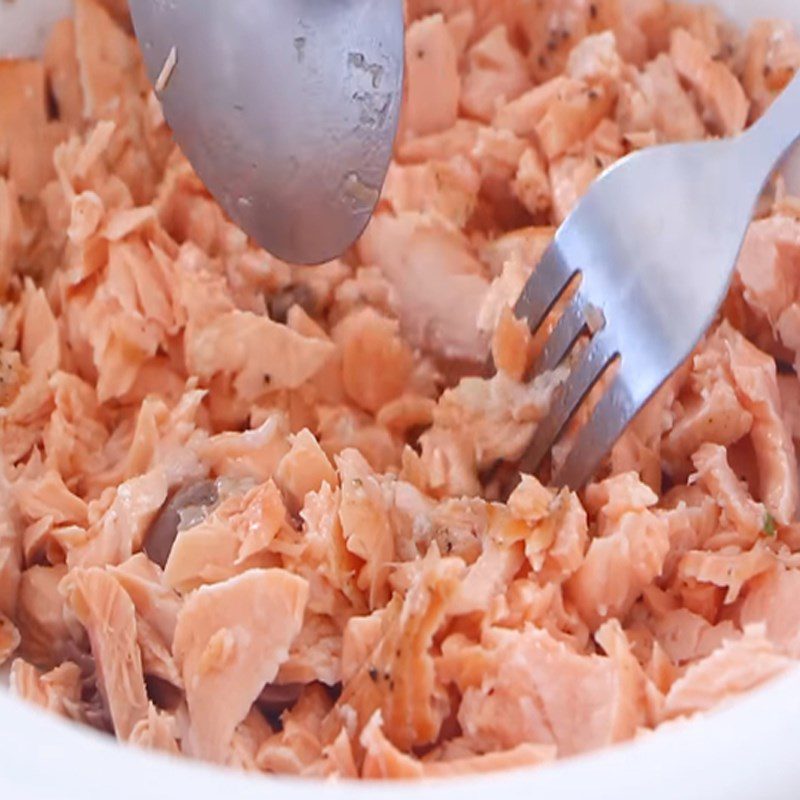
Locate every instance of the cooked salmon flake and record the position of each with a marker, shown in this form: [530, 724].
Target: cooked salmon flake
[249, 510]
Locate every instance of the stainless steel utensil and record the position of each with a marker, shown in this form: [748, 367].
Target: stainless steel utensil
[287, 109]
[654, 243]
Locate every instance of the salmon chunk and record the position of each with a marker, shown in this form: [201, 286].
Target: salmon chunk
[225, 661]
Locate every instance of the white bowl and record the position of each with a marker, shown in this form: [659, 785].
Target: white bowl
[748, 751]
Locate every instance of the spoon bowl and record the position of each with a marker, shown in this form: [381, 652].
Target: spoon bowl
[287, 109]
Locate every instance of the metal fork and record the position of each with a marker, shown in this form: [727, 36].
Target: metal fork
[654, 244]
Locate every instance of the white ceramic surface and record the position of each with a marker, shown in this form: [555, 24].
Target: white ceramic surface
[748, 751]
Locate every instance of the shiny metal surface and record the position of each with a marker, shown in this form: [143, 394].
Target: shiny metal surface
[287, 109]
[655, 243]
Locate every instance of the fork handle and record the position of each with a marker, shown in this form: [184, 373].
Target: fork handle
[771, 138]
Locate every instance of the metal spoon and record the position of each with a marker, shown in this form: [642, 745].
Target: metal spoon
[287, 109]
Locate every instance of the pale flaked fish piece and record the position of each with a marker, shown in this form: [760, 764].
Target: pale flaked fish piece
[109, 617]
[226, 658]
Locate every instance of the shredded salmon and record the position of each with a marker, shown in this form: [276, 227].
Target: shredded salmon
[248, 510]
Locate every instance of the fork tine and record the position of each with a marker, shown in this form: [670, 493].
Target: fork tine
[563, 338]
[544, 288]
[609, 420]
[591, 365]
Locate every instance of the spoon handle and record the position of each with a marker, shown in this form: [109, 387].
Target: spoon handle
[771, 138]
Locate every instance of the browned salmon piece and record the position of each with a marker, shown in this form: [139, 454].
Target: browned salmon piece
[46, 495]
[383, 760]
[406, 413]
[790, 402]
[715, 474]
[316, 654]
[418, 257]
[359, 640]
[772, 57]
[157, 609]
[40, 343]
[27, 140]
[656, 101]
[57, 691]
[522, 756]
[619, 565]
[298, 746]
[488, 577]
[729, 568]
[226, 658]
[717, 87]
[399, 677]
[495, 73]
[247, 740]
[109, 617]
[40, 615]
[686, 637]
[157, 731]
[324, 560]
[366, 525]
[556, 533]
[714, 417]
[108, 60]
[769, 603]
[527, 244]
[733, 668]
[512, 346]
[456, 141]
[570, 177]
[376, 362]
[234, 537]
[573, 114]
[253, 454]
[337, 760]
[532, 682]
[305, 468]
[755, 374]
[765, 266]
[523, 114]
[154, 600]
[432, 81]
[12, 230]
[259, 355]
[343, 427]
[532, 183]
[500, 414]
[486, 13]
[445, 189]
[120, 529]
[644, 699]
[61, 64]
[9, 638]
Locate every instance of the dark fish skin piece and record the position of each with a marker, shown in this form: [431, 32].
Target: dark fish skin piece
[161, 536]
